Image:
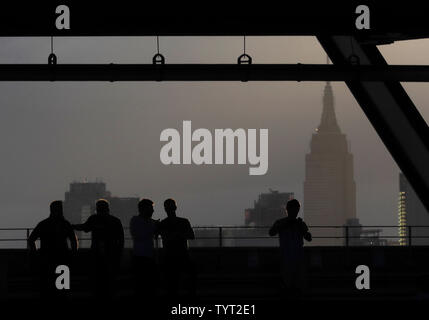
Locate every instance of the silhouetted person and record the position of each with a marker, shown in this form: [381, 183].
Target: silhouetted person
[54, 234]
[175, 233]
[292, 231]
[143, 230]
[107, 243]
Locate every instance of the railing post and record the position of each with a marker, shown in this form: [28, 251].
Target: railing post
[220, 237]
[347, 236]
[409, 235]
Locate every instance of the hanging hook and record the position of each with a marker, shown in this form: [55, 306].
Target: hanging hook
[353, 58]
[244, 58]
[52, 58]
[158, 58]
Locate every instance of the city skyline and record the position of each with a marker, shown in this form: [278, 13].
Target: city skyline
[67, 131]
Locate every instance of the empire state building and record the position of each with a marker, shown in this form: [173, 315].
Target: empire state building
[329, 187]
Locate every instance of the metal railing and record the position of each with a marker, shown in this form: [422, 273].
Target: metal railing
[231, 236]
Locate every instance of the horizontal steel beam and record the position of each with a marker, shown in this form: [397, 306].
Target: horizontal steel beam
[212, 72]
[220, 18]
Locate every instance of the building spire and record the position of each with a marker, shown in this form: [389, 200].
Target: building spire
[328, 123]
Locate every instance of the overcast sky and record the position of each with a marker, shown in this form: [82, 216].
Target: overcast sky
[54, 133]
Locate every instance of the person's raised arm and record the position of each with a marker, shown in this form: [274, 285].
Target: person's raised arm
[86, 226]
[189, 231]
[35, 234]
[274, 230]
[306, 234]
[73, 239]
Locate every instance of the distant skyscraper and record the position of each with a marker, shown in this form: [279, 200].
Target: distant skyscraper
[329, 186]
[411, 213]
[79, 204]
[269, 207]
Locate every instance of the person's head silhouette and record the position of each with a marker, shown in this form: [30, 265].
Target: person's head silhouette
[146, 208]
[170, 207]
[56, 209]
[102, 206]
[292, 208]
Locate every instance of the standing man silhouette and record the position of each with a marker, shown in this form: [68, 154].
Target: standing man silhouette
[54, 234]
[175, 233]
[143, 230]
[292, 231]
[107, 243]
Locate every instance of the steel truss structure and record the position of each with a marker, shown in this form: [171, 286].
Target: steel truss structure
[356, 59]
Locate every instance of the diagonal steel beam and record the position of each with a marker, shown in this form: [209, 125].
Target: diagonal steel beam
[390, 111]
[211, 72]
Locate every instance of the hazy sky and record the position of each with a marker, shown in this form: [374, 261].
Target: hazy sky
[54, 133]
